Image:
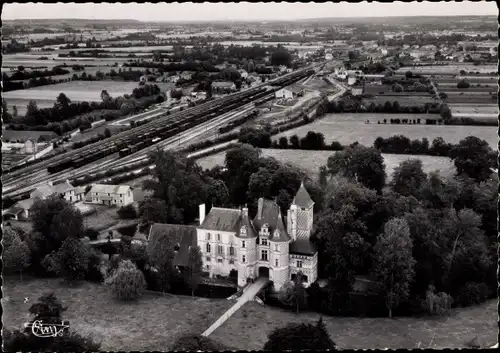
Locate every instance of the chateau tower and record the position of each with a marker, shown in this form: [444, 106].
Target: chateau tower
[300, 215]
[245, 238]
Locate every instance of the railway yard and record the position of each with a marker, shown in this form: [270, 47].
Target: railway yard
[172, 131]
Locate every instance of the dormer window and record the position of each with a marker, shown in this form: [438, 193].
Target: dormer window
[276, 233]
[243, 231]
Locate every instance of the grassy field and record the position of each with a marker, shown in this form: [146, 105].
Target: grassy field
[152, 323]
[404, 101]
[251, 325]
[453, 69]
[350, 127]
[78, 90]
[310, 161]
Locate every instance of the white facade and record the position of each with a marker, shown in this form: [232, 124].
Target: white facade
[262, 247]
[284, 93]
[119, 195]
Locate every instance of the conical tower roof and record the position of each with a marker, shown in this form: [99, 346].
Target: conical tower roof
[302, 198]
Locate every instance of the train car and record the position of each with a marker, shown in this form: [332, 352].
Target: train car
[155, 140]
[124, 152]
[56, 168]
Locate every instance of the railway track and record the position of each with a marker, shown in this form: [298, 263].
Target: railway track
[25, 179]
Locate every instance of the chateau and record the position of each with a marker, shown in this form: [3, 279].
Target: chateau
[230, 241]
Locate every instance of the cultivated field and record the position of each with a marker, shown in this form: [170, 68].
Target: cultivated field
[251, 325]
[350, 127]
[77, 91]
[152, 323]
[404, 101]
[311, 161]
[453, 69]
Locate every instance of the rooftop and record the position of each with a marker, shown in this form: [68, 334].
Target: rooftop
[167, 236]
[223, 219]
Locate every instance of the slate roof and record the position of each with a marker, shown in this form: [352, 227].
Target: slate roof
[302, 198]
[14, 211]
[223, 219]
[224, 84]
[302, 247]
[110, 189]
[24, 204]
[248, 226]
[173, 234]
[270, 213]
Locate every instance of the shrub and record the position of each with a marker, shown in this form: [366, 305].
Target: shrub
[437, 304]
[91, 233]
[463, 84]
[127, 282]
[127, 212]
[472, 293]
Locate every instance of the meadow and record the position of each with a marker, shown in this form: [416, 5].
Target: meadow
[453, 69]
[89, 91]
[350, 127]
[251, 325]
[152, 323]
[311, 161]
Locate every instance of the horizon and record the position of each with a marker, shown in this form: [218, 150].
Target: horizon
[252, 12]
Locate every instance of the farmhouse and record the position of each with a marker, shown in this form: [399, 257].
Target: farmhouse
[64, 190]
[223, 87]
[119, 195]
[289, 92]
[266, 246]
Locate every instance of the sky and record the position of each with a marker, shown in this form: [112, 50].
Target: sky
[242, 11]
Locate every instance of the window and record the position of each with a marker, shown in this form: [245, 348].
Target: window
[208, 267]
[264, 255]
[218, 237]
[219, 261]
[208, 248]
[231, 251]
[276, 247]
[276, 263]
[299, 264]
[242, 243]
[264, 241]
[209, 259]
[231, 262]
[220, 250]
[243, 258]
[208, 236]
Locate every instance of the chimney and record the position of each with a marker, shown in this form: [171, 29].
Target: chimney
[51, 183]
[202, 213]
[260, 207]
[244, 211]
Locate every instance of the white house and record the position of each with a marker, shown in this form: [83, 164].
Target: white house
[119, 195]
[64, 190]
[223, 87]
[289, 92]
[351, 80]
[266, 246]
[328, 56]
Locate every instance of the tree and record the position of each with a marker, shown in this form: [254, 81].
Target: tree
[241, 163]
[294, 293]
[177, 183]
[16, 256]
[193, 342]
[463, 84]
[63, 100]
[294, 142]
[393, 262]
[127, 282]
[31, 109]
[73, 259]
[192, 273]
[283, 142]
[107, 133]
[14, 111]
[127, 212]
[397, 87]
[408, 177]
[445, 112]
[300, 337]
[363, 164]
[472, 157]
[409, 74]
[281, 57]
[53, 220]
[160, 251]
